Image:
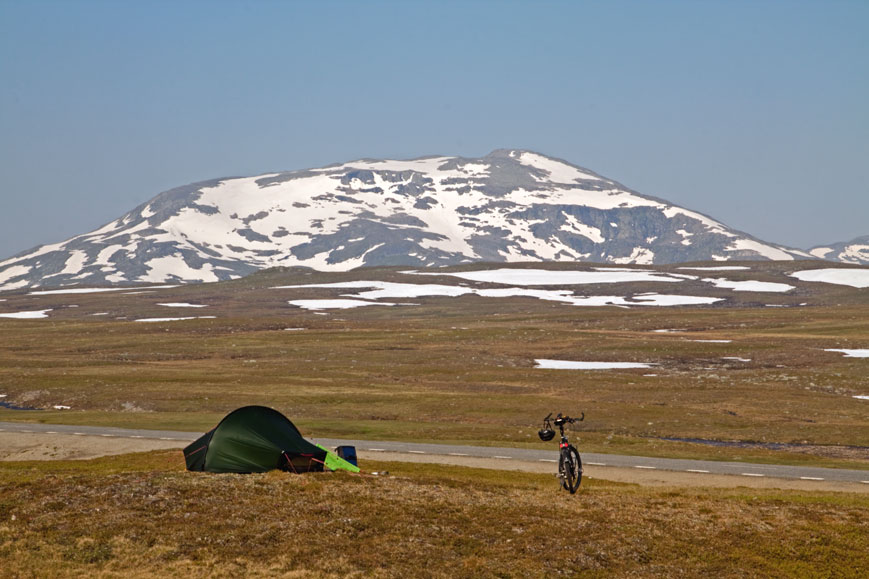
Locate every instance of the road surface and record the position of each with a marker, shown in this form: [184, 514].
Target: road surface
[604, 466]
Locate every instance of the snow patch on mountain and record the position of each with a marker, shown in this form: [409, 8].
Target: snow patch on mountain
[821, 252]
[764, 250]
[855, 251]
[640, 255]
[557, 171]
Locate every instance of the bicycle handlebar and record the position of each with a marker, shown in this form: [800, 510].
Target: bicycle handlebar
[564, 419]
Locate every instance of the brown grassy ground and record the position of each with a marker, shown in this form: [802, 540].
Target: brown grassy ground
[459, 369]
[142, 515]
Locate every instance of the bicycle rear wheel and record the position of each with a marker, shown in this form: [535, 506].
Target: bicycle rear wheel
[570, 469]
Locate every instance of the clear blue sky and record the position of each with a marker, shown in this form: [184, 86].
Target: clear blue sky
[754, 112]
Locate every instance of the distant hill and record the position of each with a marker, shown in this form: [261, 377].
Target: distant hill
[508, 206]
[855, 251]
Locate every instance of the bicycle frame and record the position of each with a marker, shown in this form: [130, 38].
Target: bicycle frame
[564, 442]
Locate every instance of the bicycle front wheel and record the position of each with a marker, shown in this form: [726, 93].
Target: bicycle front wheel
[570, 468]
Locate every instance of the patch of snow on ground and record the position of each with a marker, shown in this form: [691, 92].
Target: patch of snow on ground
[95, 290]
[570, 365]
[860, 397]
[334, 304]
[592, 301]
[850, 353]
[511, 292]
[409, 290]
[674, 300]
[736, 358]
[182, 305]
[852, 277]
[532, 277]
[32, 315]
[391, 290]
[749, 286]
[718, 268]
[175, 319]
[385, 289]
[713, 341]
[642, 300]
[565, 296]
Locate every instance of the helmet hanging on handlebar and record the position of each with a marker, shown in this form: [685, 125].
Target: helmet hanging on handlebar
[546, 434]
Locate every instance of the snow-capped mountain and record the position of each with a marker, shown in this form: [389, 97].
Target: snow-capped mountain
[855, 251]
[508, 206]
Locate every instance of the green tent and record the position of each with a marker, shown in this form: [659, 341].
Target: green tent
[254, 439]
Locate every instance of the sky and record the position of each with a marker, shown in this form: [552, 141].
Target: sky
[754, 112]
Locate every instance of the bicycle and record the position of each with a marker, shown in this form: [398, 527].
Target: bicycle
[569, 462]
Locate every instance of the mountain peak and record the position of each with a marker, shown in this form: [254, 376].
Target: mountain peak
[506, 153]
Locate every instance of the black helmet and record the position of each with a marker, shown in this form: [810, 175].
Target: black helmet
[546, 434]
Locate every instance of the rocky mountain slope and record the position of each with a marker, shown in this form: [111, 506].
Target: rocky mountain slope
[506, 207]
[855, 251]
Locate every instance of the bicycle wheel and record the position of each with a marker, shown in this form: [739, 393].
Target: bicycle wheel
[570, 469]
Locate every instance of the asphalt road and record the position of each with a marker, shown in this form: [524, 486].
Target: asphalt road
[510, 456]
